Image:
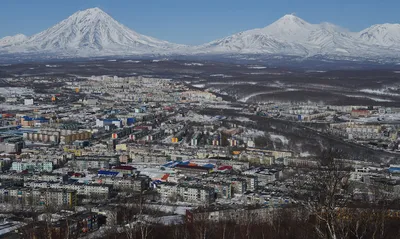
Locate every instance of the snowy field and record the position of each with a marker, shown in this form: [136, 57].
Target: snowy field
[257, 67]
[371, 98]
[23, 107]
[193, 64]
[243, 119]
[5, 91]
[281, 138]
[194, 117]
[201, 86]
[379, 92]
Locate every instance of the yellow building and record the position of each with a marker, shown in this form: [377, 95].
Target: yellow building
[121, 147]
[175, 140]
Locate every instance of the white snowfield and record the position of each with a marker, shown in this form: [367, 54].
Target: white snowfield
[291, 35]
[89, 33]
[93, 32]
[280, 138]
[12, 40]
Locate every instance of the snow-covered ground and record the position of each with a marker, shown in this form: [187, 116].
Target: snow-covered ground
[280, 138]
[221, 75]
[257, 67]
[173, 209]
[193, 64]
[199, 85]
[379, 92]
[252, 133]
[305, 154]
[15, 91]
[243, 119]
[131, 61]
[223, 106]
[194, 117]
[245, 99]
[371, 98]
[386, 117]
[288, 36]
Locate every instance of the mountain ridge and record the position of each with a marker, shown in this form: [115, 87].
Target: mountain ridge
[92, 32]
[296, 36]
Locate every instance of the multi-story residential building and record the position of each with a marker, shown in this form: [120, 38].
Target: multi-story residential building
[222, 189]
[187, 193]
[239, 185]
[5, 162]
[12, 145]
[251, 182]
[39, 196]
[131, 184]
[32, 166]
[57, 136]
[93, 162]
[47, 177]
[87, 190]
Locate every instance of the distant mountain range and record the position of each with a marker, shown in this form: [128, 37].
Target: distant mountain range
[92, 32]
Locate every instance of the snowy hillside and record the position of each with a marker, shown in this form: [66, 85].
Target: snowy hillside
[382, 35]
[291, 35]
[12, 40]
[92, 32]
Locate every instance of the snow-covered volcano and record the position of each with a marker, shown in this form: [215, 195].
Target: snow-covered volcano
[12, 40]
[291, 35]
[91, 32]
[382, 35]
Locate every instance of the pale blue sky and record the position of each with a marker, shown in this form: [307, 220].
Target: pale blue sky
[196, 22]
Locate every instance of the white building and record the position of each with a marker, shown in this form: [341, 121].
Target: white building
[46, 166]
[187, 193]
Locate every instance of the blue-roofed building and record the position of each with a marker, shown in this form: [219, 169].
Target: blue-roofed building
[167, 165]
[130, 121]
[394, 168]
[208, 165]
[27, 118]
[106, 173]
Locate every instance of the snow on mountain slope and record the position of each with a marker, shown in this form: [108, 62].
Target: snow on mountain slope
[12, 40]
[289, 28]
[291, 35]
[387, 35]
[92, 32]
[252, 43]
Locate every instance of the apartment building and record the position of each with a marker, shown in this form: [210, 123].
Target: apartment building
[187, 193]
[84, 163]
[32, 166]
[125, 184]
[86, 190]
[39, 196]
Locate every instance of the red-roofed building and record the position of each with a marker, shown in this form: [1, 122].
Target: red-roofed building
[360, 113]
[165, 177]
[225, 167]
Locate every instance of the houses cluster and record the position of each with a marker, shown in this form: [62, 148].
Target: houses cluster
[104, 140]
